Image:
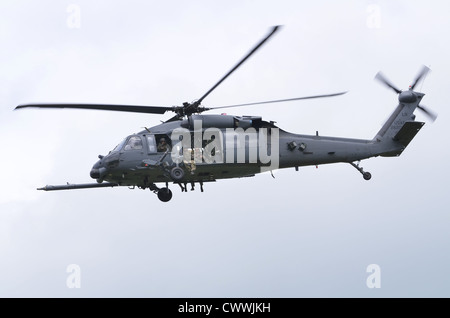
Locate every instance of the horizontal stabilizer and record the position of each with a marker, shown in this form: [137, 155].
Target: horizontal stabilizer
[408, 132]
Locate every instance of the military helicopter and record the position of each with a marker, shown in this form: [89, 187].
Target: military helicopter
[191, 148]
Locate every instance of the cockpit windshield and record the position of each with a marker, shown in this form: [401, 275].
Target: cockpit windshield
[119, 146]
[129, 143]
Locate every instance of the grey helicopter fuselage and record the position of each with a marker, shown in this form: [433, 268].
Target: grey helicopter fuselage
[243, 146]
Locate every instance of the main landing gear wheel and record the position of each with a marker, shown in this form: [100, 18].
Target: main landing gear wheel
[164, 194]
[367, 175]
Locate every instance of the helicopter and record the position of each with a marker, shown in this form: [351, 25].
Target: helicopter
[192, 148]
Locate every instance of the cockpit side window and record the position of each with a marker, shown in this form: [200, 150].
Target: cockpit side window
[151, 143]
[134, 143]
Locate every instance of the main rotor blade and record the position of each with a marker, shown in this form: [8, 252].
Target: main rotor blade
[423, 72]
[280, 100]
[383, 79]
[428, 112]
[121, 108]
[274, 29]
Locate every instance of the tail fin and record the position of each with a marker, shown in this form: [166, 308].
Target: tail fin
[401, 127]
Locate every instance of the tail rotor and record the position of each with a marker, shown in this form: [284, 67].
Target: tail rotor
[410, 96]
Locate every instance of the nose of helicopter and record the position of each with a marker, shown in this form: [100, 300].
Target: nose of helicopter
[98, 170]
[95, 173]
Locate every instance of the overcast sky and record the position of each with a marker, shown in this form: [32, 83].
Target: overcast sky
[311, 233]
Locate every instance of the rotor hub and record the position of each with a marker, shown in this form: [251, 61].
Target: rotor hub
[407, 97]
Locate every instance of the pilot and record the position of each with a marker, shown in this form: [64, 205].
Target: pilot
[162, 145]
[137, 143]
[134, 143]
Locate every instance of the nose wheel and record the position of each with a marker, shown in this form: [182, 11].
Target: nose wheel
[366, 175]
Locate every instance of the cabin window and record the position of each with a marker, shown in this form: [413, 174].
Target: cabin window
[134, 143]
[151, 143]
[164, 143]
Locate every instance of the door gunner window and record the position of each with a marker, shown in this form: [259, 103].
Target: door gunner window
[163, 143]
[134, 143]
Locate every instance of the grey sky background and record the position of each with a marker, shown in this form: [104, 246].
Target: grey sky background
[310, 233]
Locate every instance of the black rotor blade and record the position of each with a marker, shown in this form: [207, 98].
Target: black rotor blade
[279, 100]
[121, 108]
[274, 29]
[428, 112]
[423, 72]
[383, 79]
